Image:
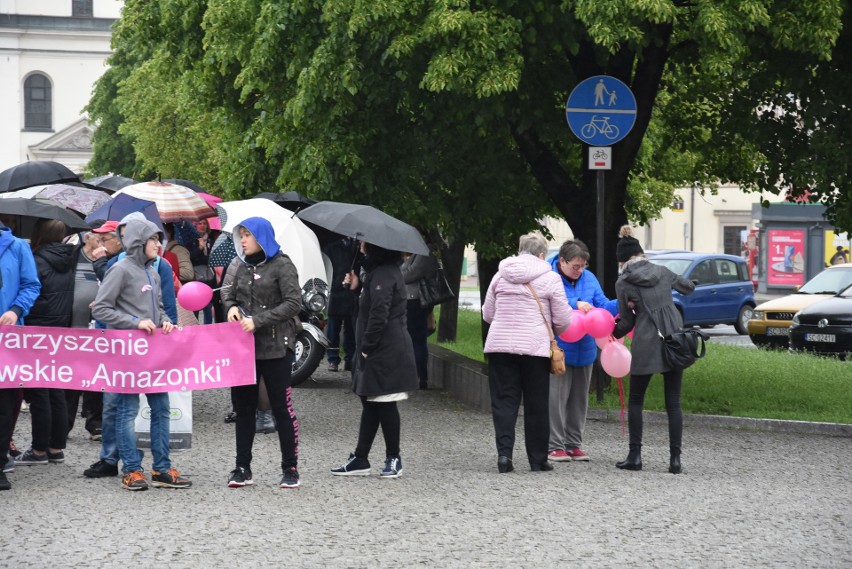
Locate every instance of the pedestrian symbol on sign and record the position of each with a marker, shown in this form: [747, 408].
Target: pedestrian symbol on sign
[601, 110]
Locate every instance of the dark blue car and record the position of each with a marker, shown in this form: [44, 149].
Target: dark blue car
[723, 290]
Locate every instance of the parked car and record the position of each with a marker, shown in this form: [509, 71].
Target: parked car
[824, 327]
[770, 321]
[723, 290]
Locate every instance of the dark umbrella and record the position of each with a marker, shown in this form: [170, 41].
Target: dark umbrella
[186, 184]
[121, 205]
[81, 199]
[110, 182]
[222, 252]
[366, 223]
[42, 209]
[294, 201]
[35, 173]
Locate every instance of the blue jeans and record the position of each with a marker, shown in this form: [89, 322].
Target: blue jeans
[128, 408]
[109, 446]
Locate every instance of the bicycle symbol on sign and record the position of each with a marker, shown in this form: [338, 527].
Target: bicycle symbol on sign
[600, 155]
[602, 126]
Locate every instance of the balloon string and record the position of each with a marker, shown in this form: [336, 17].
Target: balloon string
[221, 287]
[621, 399]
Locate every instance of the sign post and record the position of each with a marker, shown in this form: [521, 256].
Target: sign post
[600, 111]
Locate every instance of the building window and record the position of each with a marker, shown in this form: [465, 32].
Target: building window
[81, 8]
[733, 239]
[37, 103]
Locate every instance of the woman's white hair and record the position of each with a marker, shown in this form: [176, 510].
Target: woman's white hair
[533, 243]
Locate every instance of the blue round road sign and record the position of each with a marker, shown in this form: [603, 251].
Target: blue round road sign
[601, 110]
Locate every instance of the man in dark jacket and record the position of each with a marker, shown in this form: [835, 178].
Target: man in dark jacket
[341, 305]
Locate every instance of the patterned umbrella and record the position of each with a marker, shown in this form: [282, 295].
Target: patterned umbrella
[175, 203]
[222, 252]
[82, 200]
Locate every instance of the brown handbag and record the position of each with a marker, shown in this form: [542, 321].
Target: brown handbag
[557, 356]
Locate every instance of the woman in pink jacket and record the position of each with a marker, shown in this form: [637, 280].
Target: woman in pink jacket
[518, 348]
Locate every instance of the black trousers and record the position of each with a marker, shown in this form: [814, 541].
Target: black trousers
[374, 415]
[512, 378]
[418, 330]
[276, 374]
[672, 381]
[8, 402]
[49, 418]
[92, 408]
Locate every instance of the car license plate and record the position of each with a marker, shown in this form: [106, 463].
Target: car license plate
[828, 338]
[776, 331]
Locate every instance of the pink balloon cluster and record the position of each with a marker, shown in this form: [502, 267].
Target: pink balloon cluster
[597, 323]
[194, 295]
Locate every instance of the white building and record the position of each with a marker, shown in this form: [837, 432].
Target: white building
[51, 54]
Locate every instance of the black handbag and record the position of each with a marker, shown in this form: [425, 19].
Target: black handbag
[435, 289]
[683, 346]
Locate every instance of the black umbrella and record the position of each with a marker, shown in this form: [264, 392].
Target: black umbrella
[186, 184]
[110, 182]
[366, 224]
[294, 201]
[43, 209]
[35, 173]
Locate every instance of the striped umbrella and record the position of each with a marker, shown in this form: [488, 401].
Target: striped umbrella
[175, 203]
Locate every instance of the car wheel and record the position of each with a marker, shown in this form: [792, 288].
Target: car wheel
[741, 325]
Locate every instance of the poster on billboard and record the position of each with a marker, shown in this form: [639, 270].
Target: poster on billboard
[836, 248]
[786, 258]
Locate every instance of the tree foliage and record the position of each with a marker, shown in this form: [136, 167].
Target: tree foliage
[450, 114]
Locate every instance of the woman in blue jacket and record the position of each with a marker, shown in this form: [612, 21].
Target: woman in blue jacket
[569, 392]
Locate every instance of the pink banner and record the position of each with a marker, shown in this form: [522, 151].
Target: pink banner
[127, 361]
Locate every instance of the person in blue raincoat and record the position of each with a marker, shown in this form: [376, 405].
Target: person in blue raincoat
[569, 392]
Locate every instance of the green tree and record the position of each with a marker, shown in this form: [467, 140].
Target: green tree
[450, 114]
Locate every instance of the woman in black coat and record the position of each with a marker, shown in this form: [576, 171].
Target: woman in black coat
[384, 363]
[55, 262]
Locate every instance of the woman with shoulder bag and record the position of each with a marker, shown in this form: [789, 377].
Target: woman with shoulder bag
[414, 269]
[524, 304]
[644, 292]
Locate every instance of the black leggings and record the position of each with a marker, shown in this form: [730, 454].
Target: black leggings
[373, 415]
[671, 385]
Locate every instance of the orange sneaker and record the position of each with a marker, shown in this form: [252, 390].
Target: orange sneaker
[134, 481]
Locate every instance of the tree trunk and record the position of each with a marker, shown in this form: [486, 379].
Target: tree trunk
[452, 257]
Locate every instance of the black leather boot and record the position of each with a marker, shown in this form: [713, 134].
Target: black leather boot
[504, 464]
[674, 464]
[633, 460]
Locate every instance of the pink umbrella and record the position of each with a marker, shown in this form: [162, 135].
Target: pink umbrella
[174, 203]
[213, 222]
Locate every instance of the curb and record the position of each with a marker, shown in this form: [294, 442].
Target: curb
[743, 423]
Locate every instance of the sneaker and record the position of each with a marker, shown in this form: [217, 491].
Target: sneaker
[101, 469]
[96, 435]
[134, 481]
[333, 366]
[10, 464]
[169, 479]
[240, 477]
[290, 479]
[355, 466]
[559, 455]
[55, 457]
[13, 450]
[25, 407]
[393, 467]
[4, 482]
[29, 458]
[578, 455]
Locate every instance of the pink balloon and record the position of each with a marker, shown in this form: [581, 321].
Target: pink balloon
[615, 359]
[194, 295]
[602, 342]
[577, 328]
[599, 323]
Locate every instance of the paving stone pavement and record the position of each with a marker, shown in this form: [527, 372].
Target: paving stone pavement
[746, 499]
